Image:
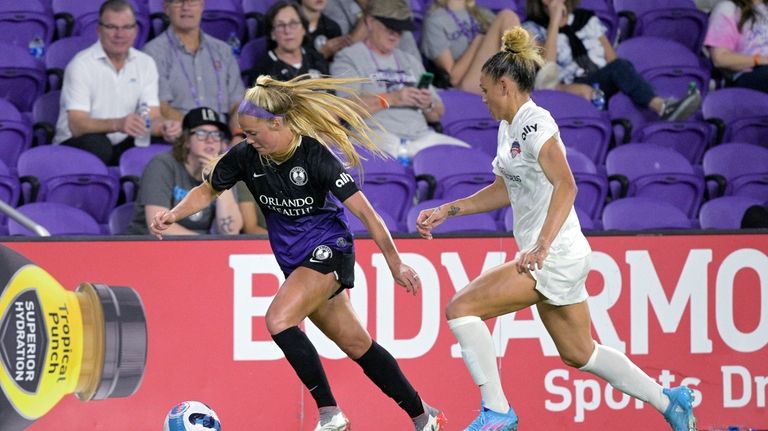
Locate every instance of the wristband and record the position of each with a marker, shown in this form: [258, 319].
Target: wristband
[383, 101]
[756, 60]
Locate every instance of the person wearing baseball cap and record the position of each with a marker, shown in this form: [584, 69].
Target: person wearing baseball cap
[169, 176]
[395, 15]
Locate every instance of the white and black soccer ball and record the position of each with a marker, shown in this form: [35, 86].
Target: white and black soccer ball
[191, 416]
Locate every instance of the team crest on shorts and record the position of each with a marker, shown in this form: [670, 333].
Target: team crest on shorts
[298, 176]
[321, 253]
[341, 242]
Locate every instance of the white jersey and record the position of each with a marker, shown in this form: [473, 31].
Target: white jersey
[517, 162]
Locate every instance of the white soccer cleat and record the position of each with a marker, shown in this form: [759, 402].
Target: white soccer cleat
[338, 422]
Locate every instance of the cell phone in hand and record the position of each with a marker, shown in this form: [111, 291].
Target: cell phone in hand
[426, 80]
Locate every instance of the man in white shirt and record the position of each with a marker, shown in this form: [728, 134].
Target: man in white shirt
[103, 87]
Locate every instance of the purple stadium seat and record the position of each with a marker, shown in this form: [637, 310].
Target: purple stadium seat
[132, 164]
[652, 171]
[10, 191]
[388, 186]
[737, 170]
[58, 219]
[158, 20]
[45, 114]
[58, 55]
[250, 55]
[358, 228]
[467, 118]
[593, 185]
[22, 78]
[55, 173]
[22, 21]
[678, 20]
[81, 18]
[689, 138]
[451, 172]
[517, 7]
[120, 218]
[638, 213]
[254, 16]
[725, 212]
[474, 223]
[15, 134]
[669, 66]
[222, 18]
[738, 121]
[582, 125]
[607, 14]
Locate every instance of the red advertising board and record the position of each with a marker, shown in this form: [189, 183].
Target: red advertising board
[687, 309]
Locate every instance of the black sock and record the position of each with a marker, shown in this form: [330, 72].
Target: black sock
[303, 357]
[383, 370]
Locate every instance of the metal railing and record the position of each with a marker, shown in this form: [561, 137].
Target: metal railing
[23, 220]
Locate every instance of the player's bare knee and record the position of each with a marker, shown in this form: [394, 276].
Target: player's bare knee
[456, 308]
[574, 359]
[276, 322]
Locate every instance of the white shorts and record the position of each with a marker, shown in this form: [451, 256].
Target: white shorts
[561, 280]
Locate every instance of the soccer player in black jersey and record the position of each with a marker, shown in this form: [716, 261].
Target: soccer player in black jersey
[300, 185]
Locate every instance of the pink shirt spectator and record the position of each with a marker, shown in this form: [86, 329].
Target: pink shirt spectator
[723, 31]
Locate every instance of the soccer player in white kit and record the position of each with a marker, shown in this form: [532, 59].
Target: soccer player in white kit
[532, 175]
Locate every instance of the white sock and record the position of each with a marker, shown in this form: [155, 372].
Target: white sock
[480, 359]
[616, 368]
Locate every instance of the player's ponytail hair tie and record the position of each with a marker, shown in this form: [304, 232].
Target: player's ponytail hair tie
[253, 110]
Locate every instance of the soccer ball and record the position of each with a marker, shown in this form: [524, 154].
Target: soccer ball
[191, 416]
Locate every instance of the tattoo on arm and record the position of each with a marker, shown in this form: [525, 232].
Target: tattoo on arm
[453, 211]
[225, 225]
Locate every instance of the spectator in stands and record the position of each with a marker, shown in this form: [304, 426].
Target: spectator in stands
[289, 54]
[459, 36]
[253, 219]
[103, 87]
[170, 176]
[737, 38]
[349, 13]
[195, 69]
[575, 40]
[324, 33]
[392, 96]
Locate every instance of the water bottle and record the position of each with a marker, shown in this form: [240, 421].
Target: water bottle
[693, 88]
[37, 47]
[403, 156]
[90, 342]
[234, 43]
[143, 140]
[598, 97]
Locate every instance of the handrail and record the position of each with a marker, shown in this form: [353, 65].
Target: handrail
[23, 220]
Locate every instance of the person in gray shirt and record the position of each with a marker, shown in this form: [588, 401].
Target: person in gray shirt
[195, 69]
[349, 13]
[391, 95]
[170, 176]
[459, 37]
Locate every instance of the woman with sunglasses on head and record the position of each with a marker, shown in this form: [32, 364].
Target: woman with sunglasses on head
[170, 176]
[288, 163]
[290, 53]
[550, 270]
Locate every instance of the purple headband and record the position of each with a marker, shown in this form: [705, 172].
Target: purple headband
[253, 110]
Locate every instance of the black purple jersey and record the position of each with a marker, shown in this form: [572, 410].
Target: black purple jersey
[294, 196]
